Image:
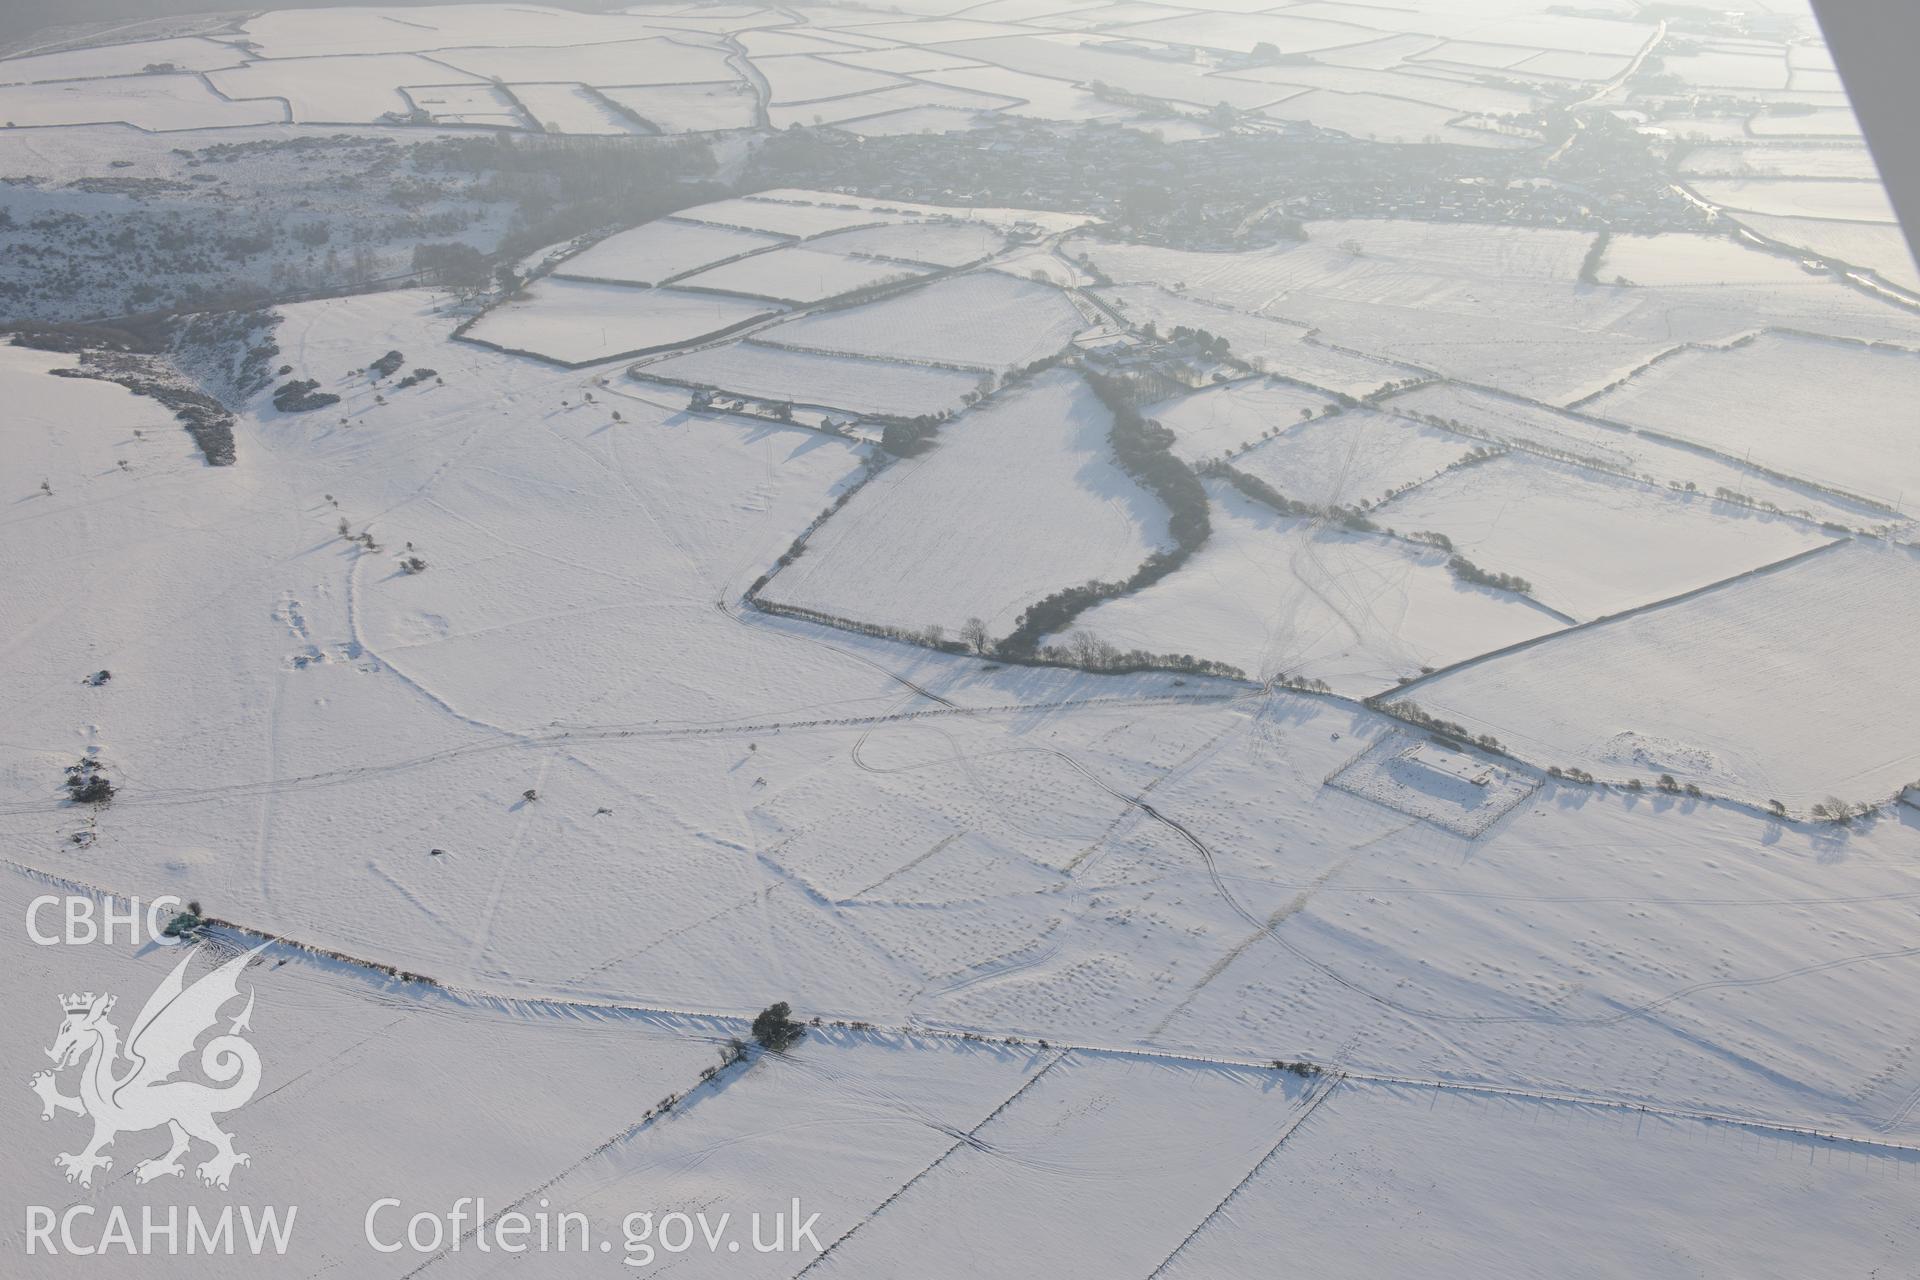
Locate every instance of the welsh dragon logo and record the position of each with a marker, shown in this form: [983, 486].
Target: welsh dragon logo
[126, 1089]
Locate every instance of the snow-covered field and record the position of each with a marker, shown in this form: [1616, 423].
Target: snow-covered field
[1774, 160]
[893, 210]
[1495, 306]
[71, 432]
[1679, 259]
[1275, 595]
[655, 252]
[983, 320]
[348, 90]
[1836, 413]
[1488, 1185]
[1071, 59]
[688, 108]
[1458, 98]
[1352, 256]
[1561, 64]
[1178, 1134]
[784, 218]
[1856, 201]
[188, 54]
[1729, 70]
[1222, 421]
[1356, 458]
[636, 62]
[1241, 32]
[1836, 122]
[1032, 505]
[468, 104]
[360, 68]
[799, 78]
[1276, 346]
[939, 244]
[908, 120]
[1869, 246]
[875, 104]
[1364, 115]
[1592, 544]
[159, 103]
[573, 108]
[582, 322]
[369, 29]
[1517, 253]
[805, 377]
[1619, 450]
[1040, 97]
[799, 275]
[1696, 689]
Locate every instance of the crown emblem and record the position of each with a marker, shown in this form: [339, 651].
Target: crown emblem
[77, 1003]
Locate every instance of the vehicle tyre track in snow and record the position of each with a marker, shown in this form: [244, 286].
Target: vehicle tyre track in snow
[360, 646]
[262, 845]
[1900, 1113]
[484, 926]
[1296, 904]
[591, 733]
[994, 968]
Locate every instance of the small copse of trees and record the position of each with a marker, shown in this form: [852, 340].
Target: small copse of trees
[1467, 571]
[301, 396]
[87, 782]
[774, 1028]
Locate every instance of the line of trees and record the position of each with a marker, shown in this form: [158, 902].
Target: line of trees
[1596, 252]
[1144, 450]
[1413, 713]
[1260, 491]
[1467, 571]
[1089, 652]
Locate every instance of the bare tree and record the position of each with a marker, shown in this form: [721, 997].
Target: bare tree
[1089, 650]
[973, 634]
